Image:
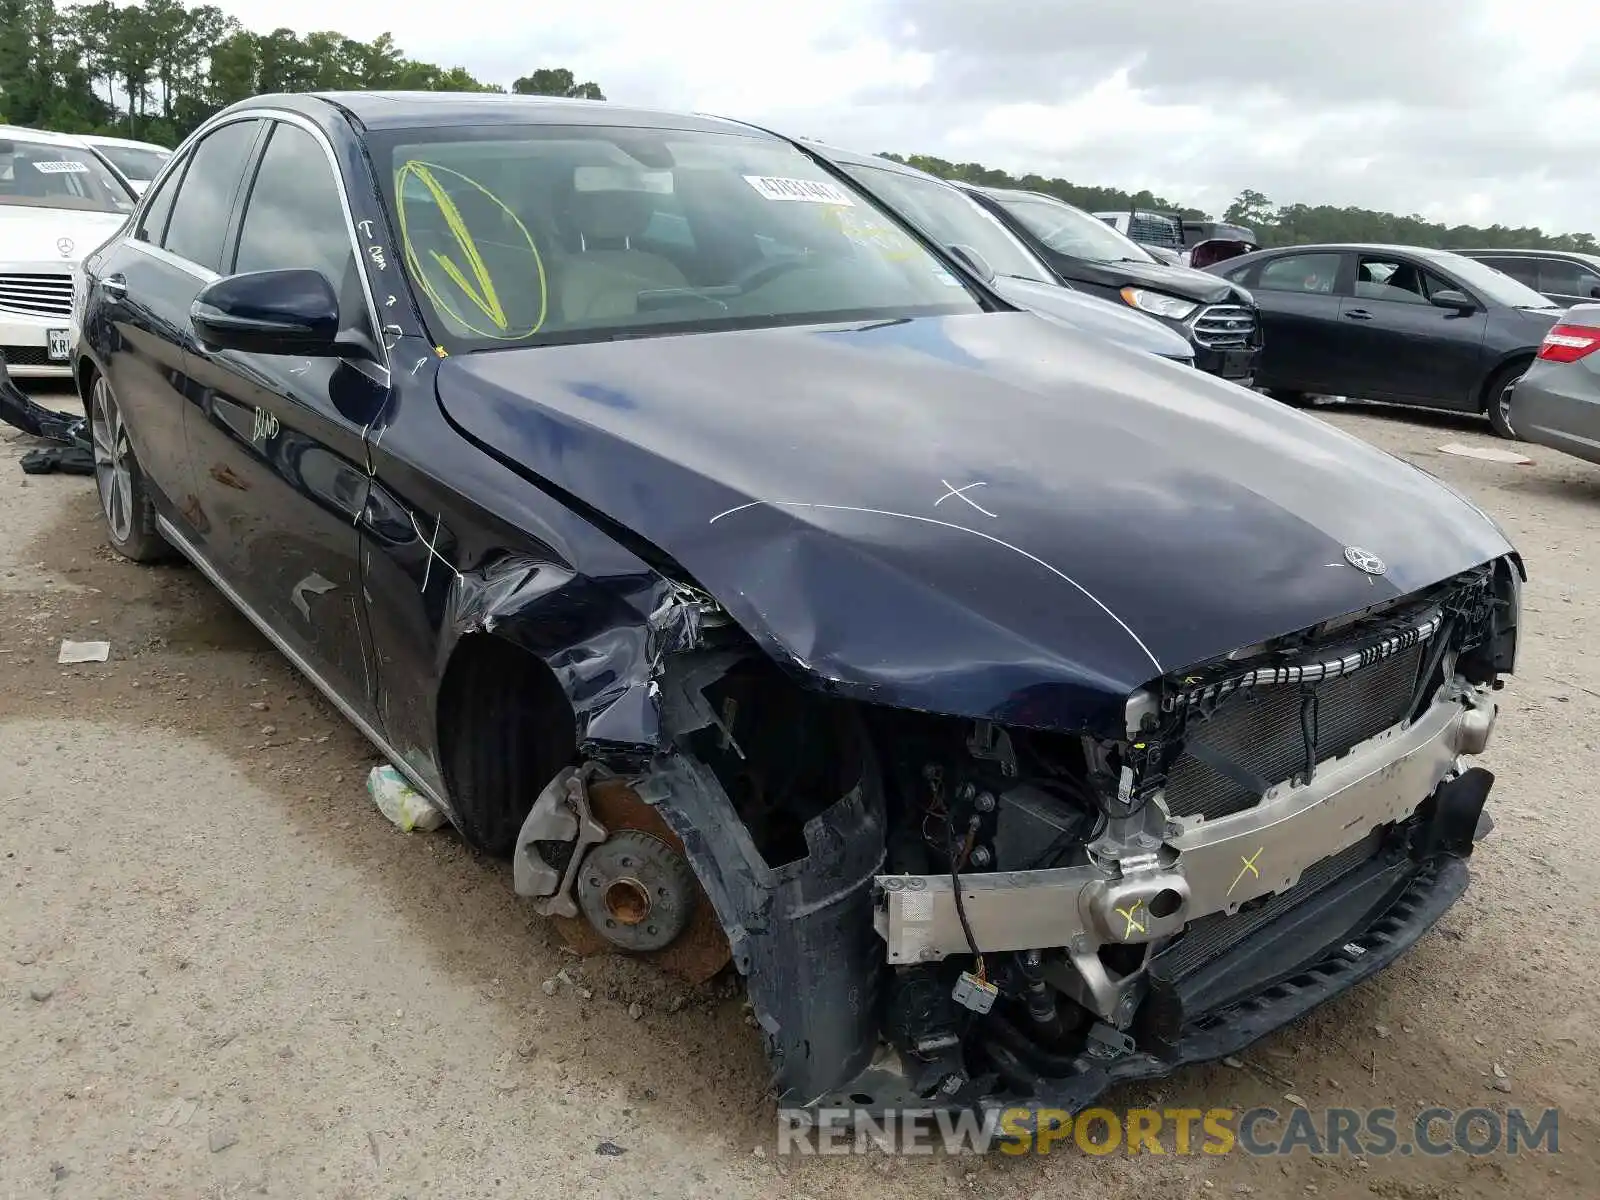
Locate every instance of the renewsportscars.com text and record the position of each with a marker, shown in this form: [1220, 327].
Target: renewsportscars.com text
[1259, 1132]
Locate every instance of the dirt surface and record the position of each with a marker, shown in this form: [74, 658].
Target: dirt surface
[222, 972]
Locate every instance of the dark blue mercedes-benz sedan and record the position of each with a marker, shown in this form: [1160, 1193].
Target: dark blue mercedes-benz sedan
[1018, 713]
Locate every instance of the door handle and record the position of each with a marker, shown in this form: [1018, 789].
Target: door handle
[116, 285]
[1359, 314]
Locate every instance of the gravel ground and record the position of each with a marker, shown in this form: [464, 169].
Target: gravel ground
[222, 972]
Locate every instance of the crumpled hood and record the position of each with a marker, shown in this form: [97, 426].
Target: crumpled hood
[35, 235]
[986, 515]
[1109, 319]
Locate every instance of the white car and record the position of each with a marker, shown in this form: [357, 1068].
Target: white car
[58, 201]
[139, 162]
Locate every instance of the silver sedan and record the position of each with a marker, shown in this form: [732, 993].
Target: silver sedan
[1557, 403]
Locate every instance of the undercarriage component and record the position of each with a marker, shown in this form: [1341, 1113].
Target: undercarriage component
[552, 842]
[921, 1016]
[1213, 866]
[801, 928]
[700, 950]
[636, 891]
[613, 876]
[933, 910]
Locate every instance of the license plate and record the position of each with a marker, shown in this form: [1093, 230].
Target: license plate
[59, 344]
[1236, 364]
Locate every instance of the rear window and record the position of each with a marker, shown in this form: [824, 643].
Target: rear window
[1070, 231]
[1155, 229]
[137, 163]
[532, 234]
[41, 175]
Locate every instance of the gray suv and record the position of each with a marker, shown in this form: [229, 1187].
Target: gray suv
[1564, 277]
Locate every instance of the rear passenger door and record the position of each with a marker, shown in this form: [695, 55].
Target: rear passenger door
[278, 442]
[144, 286]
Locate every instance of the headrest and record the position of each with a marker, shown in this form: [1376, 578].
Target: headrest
[609, 215]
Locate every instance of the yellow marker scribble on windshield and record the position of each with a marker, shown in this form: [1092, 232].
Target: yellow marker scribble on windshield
[867, 229]
[474, 280]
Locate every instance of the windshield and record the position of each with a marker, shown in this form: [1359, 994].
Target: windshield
[1495, 286]
[39, 175]
[532, 234]
[950, 217]
[137, 163]
[1069, 230]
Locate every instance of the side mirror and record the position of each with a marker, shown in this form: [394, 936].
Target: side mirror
[270, 312]
[1594, 291]
[976, 262]
[1452, 299]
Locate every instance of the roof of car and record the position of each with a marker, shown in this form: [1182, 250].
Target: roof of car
[96, 139]
[858, 159]
[1433, 252]
[22, 133]
[1520, 252]
[406, 110]
[1006, 191]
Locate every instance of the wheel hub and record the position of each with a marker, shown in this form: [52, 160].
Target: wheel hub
[636, 891]
[678, 932]
[627, 902]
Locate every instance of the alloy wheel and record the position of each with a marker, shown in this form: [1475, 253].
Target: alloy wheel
[1504, 405]
[113, 477]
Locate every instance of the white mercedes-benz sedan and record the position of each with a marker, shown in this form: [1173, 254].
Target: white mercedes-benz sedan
[58, 201]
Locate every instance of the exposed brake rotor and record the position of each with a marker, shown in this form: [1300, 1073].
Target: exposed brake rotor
[639, 895]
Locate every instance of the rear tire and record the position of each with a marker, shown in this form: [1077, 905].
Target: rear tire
[124, 498]
[1292, 399]
[1497, 397]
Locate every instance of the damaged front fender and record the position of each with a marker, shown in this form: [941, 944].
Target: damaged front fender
[801, 930]
[603, 653]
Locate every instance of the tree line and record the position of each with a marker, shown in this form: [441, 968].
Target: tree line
[157, 70]
[1276, 225]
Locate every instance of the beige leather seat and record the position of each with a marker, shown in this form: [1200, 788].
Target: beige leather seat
[601, 275]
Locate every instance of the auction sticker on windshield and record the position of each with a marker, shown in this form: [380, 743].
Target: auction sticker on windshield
[61, 167]
[813, 191]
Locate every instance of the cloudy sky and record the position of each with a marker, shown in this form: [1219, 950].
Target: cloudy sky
[1463, 110]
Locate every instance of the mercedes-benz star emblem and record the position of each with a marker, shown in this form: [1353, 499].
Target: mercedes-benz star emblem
[65, 245]
[1364, 560]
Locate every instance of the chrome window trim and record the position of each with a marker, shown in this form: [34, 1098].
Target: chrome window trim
[161, 254]
[267, 113]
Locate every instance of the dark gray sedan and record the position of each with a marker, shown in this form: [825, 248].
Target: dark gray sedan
[1400, 324]
[1557, 403]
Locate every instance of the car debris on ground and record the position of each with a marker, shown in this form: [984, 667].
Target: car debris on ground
[1485, 453]
[399, 801]
[83, 652]
[75, 453]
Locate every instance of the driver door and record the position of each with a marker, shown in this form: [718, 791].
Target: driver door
[1399, 345]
